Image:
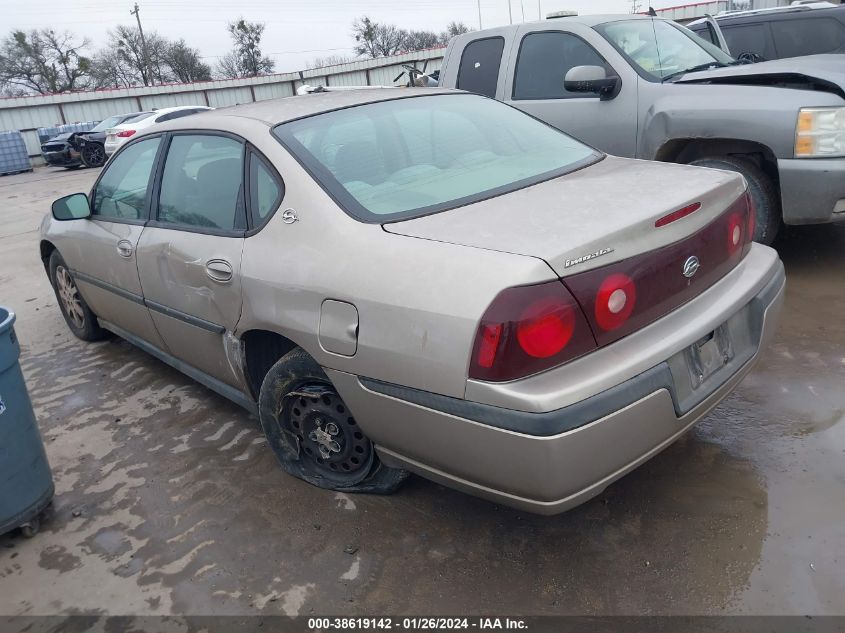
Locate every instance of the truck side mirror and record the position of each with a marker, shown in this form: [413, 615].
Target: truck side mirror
[72, 207]
[592, 79]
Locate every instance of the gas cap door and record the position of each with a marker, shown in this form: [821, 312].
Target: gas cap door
[339, 327]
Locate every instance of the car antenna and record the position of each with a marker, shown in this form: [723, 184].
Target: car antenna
[652, 12]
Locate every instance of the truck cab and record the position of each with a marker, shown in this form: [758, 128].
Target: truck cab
[644, 87]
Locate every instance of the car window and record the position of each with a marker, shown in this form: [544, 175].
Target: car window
[265, 189]
[749, 38]
[177, 114]
[202, 183]
[659, 48]
[543, 61]
[808, 36]
[479, 69]
[105, 124]
[121, 192]
[705, 32]
[445, 151]
[138, 117]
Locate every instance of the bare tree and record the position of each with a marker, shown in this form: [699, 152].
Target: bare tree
[453, 29]
[329, 60]
[185, 63]
[43, 61]
[110, 70]
[246, 59]
[420, 40]
[377, 40]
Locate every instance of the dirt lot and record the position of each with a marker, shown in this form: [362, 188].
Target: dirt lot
[168, 500]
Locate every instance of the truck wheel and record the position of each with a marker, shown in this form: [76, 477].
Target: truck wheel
[314, 435]
[761, 188]
[93, 155]
[78, 316]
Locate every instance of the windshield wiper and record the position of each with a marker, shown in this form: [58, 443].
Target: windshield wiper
[694, 69]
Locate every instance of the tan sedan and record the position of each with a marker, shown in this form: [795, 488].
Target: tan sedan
[424, 280]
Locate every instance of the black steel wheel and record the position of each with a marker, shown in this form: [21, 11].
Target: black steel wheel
[313, 433]
[93, 155]
[327, 433]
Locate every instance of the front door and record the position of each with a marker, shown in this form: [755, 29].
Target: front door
[535, 84]
[189, 255]
[102, 259]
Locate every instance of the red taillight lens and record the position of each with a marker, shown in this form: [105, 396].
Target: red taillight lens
[545, 327]
[615, 301]
[529, 329]
[126, 133]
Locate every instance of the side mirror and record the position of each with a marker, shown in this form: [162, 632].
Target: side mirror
[592, 79]
[72, 207]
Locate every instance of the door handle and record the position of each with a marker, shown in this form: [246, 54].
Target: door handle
[218, 270]
[124, 248]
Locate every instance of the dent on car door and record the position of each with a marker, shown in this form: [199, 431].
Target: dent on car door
[104, 259]
[189, 255]
[536, 85]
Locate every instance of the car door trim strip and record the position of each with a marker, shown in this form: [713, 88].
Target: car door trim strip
[152, 305]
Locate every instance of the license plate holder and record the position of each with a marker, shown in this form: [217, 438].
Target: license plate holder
[708, 355]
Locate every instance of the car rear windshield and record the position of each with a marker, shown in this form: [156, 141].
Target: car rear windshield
[408, 157]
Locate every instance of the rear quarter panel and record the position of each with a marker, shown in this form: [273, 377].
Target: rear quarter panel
[419, 301]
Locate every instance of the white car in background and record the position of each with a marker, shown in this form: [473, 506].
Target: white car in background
[118, 135]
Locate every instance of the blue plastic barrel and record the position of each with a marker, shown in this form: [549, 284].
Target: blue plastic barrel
[26, 483]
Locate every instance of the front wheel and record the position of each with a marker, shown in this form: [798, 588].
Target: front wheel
[76, 312]
[761, 188]
[314, 435]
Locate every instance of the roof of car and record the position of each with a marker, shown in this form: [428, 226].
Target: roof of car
[274, 111]
[774, 13]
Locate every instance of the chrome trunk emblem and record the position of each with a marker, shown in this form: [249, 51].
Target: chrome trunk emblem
[691, 266]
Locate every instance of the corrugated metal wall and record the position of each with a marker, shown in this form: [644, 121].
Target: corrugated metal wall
[26, 114]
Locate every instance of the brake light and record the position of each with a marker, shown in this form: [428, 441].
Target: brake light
[126, 133]
[735, 226]
[677, 215]
[528, 329]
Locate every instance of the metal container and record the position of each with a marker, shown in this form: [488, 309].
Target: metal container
[26, 483]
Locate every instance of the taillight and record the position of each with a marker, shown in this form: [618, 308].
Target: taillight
[736, 226]
[623, 297]
[126, 133]
[615, 301]
[529, 329]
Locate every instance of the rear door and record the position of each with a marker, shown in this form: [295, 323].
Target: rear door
[105, 261]
[535, 84]
[189, 256]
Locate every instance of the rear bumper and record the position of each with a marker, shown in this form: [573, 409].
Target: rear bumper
[550, 461]
[812, 190]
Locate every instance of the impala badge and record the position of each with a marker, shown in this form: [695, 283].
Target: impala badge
[586, 258]
[691, 266]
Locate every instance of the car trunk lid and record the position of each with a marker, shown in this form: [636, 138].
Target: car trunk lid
[592, 217]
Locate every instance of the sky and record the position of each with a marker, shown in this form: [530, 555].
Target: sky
[297, 31]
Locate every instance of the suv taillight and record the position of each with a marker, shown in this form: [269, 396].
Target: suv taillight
[528, 329]
[126, 133]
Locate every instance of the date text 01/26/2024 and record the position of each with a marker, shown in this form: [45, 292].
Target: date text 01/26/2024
[415, 624]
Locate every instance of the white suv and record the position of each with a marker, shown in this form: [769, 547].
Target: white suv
[117, 136]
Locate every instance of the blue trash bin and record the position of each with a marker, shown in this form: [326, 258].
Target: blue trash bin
[26, 483]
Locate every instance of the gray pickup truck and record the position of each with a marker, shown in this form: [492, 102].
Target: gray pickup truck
[649, 88]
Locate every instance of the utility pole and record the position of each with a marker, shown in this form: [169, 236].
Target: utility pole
[479, 15]
[137, 14]
[510, 12]
[539, 10]
[635, 6]
[522, 8]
